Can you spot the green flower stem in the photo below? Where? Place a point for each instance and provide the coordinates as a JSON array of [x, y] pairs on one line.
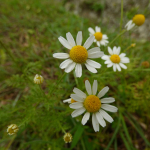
[[123, 31], [8, 52], [115, 133], [42, 91], [83, 145], [120, 40], [76, 80], [61, 127], [11, 141], [121, 15], [56, 85], [127, 48]]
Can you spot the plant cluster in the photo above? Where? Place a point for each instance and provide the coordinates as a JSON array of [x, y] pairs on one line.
[[39, 116]]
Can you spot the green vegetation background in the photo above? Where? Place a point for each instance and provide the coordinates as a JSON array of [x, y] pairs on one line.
[[30, 31]]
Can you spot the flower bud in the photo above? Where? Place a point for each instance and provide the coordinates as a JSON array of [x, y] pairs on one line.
[[12, 129], [38, 79], [67, 138]]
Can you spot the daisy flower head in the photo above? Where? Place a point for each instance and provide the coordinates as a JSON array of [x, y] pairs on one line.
[[115, 59], [78, 54], [12, 129], [92, 103], [100, 38], [137, 20]]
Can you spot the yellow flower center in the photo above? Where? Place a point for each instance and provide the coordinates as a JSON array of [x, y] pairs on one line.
[[39, 78], [115, 58], [78, 54], [92, 103], [72, 101], [139, 19], [98, 36]]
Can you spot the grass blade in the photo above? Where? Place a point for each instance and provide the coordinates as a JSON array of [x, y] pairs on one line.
[[77, 135], [115, 133], [125, 141], [139, 130]]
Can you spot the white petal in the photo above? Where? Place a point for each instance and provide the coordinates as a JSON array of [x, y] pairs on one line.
[[64, 42], [67, 100], [95, 123], [85, 118], [77, 97], [98, 43], [131, 26], [91, 69], [79, 92], [106, 57], [122, 55], [128, 23], [78, 70], [118, 51], [103, 91], [65, 63], [123, 66], [96, 55], [70, 67], [114, 49], [114, 67], [91, 30], [93, 50], [70, 39], [97, 29], [109, 107], [88, 87], [107, 100], [76, 105], [100, 119], [110, 51], [108, 62], [125, 60], [103, 42], [93, 63], [61, 55], [105, 36], [78, 112], [79, 38], [106, 116], [110, 65], [118, 67], [89, 42], [94, 88]]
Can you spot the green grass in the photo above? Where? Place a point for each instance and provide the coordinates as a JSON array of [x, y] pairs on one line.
[[29, 34]]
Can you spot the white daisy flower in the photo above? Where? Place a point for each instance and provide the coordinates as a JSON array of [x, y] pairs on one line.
[[137, 20], [100, 39], [116, 59], [78, 54], [93, 103]]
